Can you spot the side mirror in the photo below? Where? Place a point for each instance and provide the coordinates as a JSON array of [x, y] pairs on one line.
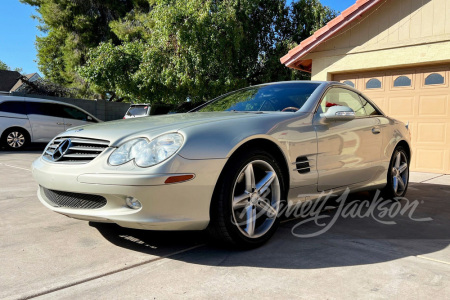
[[338, 113]]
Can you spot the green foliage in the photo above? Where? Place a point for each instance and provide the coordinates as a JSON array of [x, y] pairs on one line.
[[71, 28], [169, 51], [3, 66]]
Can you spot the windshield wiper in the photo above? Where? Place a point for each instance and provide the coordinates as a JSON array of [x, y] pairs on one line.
[[246, 112]]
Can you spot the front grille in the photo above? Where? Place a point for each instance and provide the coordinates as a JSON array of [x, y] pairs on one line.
[[74, 200], [74, 150]]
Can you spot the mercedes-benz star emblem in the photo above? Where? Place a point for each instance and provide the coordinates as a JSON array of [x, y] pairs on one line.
[[61, 149]]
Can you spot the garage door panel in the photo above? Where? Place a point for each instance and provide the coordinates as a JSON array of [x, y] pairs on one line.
[[420, 96], [380, 102], [401, 106], [434, 133], [433, 105]]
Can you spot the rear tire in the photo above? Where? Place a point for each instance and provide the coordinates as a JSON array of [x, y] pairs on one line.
[[246, 201], [15, 139], [398, 175]]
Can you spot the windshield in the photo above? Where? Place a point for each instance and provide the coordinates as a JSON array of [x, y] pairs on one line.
[[276, 97], [140, 110]]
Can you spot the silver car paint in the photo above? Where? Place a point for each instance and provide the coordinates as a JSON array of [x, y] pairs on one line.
[[210, 139]]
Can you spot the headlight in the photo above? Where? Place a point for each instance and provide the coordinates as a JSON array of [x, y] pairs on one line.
[[145, 153]]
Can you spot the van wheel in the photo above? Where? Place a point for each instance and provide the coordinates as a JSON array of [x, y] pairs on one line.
[[15, 139]]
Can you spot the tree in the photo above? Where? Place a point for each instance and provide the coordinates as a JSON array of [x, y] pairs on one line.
[[171, 50], [3, 66], [46, 87], [71, 28], [199, 49]]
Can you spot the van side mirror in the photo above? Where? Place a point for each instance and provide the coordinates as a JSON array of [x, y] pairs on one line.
[[338, 113]]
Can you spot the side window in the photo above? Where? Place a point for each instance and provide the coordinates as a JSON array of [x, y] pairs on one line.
[[343, 97], [15, 107], [73, 113], [36, 108], [369, 108], [55, 110], [45, 109]]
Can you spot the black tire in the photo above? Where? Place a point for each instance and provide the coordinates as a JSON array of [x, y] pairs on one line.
[[395, 173], [227, 223], [15, 139]]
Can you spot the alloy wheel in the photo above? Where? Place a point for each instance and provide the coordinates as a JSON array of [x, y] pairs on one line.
[[400, 173], [256, 199], [15, 139]]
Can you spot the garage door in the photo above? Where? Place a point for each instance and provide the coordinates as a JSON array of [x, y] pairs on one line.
[[420, 96]]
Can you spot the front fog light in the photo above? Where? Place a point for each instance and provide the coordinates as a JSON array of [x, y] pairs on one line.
[[133, 203]]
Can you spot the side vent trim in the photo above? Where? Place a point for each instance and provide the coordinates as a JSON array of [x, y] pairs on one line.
[[302, 165]]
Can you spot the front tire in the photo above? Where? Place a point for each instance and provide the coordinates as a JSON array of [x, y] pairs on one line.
[[15, 139], [246, 201], [398, 175]]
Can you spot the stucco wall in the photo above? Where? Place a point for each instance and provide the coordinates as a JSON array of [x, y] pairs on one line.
[[399, 33]]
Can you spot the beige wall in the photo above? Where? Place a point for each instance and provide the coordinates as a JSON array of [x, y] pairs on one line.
[[399, 33]]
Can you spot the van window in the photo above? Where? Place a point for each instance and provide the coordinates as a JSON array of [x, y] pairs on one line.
[[15, 107], [73, 113], [45, 109]]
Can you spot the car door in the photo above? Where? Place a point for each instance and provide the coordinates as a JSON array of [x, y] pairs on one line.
[[45, 119], [75, 117], [348, 151]]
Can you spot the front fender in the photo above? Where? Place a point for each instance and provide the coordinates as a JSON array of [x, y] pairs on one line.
[[221, 139]]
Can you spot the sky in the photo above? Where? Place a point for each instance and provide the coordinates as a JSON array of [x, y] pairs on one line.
[[18, 32]]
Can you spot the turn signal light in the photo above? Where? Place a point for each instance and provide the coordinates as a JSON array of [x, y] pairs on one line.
[[179, 178]]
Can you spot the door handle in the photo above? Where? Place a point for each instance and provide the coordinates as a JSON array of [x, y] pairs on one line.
[[59, 123], [376, 130], [68, 124]]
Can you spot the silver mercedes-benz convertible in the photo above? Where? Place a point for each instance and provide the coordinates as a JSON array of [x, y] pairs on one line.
[[229, 165]]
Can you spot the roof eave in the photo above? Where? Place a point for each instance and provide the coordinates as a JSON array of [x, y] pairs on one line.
[[294, 57]]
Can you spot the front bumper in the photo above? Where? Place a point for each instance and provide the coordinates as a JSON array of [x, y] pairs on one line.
[[178, 206]]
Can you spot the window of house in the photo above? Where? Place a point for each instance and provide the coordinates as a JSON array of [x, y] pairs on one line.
[[402, 81], [434, 78], [373, 84], [350, 83]]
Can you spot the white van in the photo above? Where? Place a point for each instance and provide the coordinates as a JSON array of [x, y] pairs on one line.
[[24, 120]]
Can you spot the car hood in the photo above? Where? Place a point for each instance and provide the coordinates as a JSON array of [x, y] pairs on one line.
[[120, 130]]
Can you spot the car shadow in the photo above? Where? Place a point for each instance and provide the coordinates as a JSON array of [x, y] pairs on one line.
[[348, 241]]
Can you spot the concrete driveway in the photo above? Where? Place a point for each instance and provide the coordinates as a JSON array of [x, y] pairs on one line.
[[47, 255]]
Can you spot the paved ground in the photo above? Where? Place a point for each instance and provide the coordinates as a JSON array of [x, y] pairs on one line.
[[50, 256]]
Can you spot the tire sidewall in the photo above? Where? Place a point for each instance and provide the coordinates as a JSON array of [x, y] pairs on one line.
[[227, 182]]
